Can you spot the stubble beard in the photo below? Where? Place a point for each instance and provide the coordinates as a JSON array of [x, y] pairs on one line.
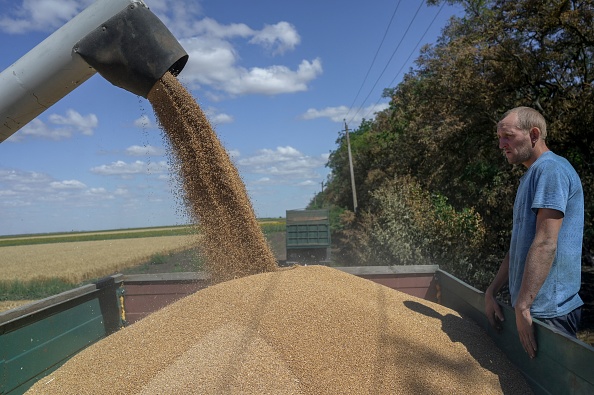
[[521, 155]]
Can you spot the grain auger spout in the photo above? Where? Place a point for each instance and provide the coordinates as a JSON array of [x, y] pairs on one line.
[[122, 40]]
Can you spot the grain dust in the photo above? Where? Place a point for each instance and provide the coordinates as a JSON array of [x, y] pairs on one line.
[[306, 330], [215, 195]]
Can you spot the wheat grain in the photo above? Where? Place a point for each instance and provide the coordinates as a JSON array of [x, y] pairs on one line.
[[215, 195], [306, 330]]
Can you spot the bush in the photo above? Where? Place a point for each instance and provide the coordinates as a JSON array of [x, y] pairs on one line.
[[410, 226]]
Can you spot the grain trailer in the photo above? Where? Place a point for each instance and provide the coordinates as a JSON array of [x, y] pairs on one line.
[[38, 338]]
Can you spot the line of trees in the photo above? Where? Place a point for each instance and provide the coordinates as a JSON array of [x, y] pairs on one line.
[[432, 185]]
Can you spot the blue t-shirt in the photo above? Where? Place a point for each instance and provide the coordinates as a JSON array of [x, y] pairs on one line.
[[551, 182]]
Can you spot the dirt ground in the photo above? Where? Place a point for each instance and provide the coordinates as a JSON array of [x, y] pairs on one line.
[[189, 261]]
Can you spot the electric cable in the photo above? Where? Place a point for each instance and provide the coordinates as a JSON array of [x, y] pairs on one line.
[[388, 62], [409, 56], [374, 58]]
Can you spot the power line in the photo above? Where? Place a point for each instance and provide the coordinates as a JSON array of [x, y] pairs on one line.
[[410, 55], [388, 62], [374, 58], [418, 43]]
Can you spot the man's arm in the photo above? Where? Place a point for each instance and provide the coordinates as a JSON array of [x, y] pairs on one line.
[[538, 265], [492, 309]]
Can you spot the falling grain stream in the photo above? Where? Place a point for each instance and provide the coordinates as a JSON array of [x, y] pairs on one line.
[[215, 194]]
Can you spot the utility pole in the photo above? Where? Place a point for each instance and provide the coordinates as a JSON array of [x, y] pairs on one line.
[[346, 131]]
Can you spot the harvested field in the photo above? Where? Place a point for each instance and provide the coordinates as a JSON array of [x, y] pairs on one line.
[[97, 233], [78, 261], [303, 330]]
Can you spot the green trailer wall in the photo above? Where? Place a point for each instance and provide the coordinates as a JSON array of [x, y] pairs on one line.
[[38, 338], [563, 365]]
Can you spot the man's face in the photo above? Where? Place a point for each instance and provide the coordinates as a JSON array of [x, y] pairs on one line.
[[515, 143]]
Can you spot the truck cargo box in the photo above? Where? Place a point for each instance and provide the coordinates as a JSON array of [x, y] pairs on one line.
[[308, 236]]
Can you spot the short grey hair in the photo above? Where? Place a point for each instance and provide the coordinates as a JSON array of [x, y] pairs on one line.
[[529, 118]]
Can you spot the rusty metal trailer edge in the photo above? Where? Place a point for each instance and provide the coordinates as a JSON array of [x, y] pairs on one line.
[[38, 338]]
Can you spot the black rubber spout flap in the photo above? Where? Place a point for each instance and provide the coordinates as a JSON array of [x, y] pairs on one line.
[[133, 50]]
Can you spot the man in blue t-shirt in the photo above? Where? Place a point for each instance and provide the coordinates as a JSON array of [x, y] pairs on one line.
[[543, 264]]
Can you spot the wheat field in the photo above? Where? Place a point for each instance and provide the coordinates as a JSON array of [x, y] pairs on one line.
[[75, 262]]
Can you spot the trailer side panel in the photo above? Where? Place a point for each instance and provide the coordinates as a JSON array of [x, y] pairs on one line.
[[563, 365]]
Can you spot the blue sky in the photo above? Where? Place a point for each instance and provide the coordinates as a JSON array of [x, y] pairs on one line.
[[276, 79]]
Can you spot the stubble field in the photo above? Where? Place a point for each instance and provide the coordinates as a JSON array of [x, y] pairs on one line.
[[35, 265], [79, 261]]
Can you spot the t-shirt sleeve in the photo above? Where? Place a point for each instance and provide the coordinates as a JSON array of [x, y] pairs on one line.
[[551, 188]]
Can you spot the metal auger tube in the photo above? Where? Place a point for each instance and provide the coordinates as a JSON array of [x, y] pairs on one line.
[[120, 39]]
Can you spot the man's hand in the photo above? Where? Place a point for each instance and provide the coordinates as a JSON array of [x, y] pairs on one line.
[[493, 311], [526, 331]]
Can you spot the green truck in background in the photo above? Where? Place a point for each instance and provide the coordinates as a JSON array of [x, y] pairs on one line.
[[308, 236]]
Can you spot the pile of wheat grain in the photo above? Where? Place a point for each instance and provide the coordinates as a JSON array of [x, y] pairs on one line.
[[304, 330], [215, 195]]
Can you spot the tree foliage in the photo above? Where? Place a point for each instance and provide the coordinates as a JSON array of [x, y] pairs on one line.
[[440, 127]]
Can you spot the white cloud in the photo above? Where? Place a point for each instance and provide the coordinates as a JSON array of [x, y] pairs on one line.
[[339, 114], [98, 193], [214, 60], [283, 162], [214, 65], [278, 38], [39, 15], [179, 17], [144, 122], [33, 202], [219, 119], [25, 188], [273, 80], [211, 28], [68, 125], [22, 177], [36, 128], [67, 184], [147, 150], [121, 192], [336, 114], [263, 180], [307, 183], [123, 169], [211, 61], [83, 124], [234, 153]]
